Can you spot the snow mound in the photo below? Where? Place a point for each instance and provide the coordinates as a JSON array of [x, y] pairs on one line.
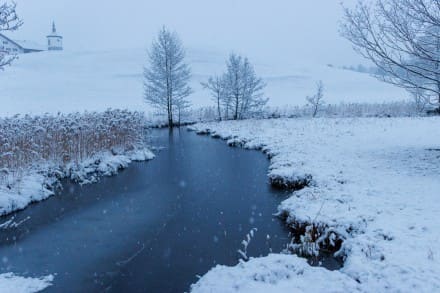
[[274, 273], [13, 283]]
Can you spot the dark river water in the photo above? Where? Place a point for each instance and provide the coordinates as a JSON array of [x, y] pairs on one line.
[[154, 227]]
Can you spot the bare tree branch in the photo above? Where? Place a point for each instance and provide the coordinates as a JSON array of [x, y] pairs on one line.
[[9, 21], [317, 100], [402, 38]]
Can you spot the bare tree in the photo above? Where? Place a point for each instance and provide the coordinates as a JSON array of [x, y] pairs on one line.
[[239, 91], [9, 21], [234, 83], [167, 77], [244, 89], [253, 95], [317, 100], [216, 85], [402, 38]]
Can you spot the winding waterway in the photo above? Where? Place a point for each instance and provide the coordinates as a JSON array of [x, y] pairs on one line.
[[155, 226]]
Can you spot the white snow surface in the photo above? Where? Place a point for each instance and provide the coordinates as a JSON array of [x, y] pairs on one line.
[[36, 185], [10, 282], [69, 81], [376, 182], [274, 273]]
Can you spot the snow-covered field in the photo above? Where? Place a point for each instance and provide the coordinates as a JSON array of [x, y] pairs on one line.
[[12, 283], [375, 185], [71, 81]]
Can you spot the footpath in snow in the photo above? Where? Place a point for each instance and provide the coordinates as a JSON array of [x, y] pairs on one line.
[[371, 192]]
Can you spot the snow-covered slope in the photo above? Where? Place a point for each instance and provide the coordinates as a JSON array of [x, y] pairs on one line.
[[95, 80]]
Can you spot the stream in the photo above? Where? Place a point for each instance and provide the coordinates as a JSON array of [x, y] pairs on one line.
[[156, 226]]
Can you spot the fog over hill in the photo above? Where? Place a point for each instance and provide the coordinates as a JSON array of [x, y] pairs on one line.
[[70, 81], [279, 30]]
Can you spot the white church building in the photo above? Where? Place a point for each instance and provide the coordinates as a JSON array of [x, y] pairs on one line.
[[9, 46], [54, 40]]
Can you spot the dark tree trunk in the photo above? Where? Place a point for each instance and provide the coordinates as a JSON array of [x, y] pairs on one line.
[[236, 109], [218, 109], [170, 117]]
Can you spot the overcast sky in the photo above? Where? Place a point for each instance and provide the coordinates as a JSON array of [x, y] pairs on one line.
[[264, 29]]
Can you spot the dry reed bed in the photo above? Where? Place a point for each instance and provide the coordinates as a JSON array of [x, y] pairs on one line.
[[29, 141]]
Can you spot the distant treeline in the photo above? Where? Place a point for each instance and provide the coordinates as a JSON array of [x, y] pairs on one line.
[[348, 110]]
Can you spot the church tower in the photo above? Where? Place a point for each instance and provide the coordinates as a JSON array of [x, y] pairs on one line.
[[54, 41]]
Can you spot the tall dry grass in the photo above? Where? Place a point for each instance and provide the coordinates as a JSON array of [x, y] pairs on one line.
[[27, 141]]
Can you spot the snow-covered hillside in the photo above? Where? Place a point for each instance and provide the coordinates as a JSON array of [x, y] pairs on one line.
[[96, 80]]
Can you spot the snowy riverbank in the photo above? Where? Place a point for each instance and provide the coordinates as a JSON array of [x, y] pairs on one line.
[[38, 183], [12, 283], [373, 183]]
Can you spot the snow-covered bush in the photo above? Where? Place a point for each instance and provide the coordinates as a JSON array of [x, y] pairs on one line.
[[27, 141]]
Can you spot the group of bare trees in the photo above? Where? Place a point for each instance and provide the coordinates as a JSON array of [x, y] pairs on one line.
[[238, 93], [402, 38], [9, 21], [26, 141]]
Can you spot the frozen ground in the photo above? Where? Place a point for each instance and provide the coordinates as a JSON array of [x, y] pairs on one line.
[[283, 273], [12, 283], [38, 183], [375, 185], [96, 80]]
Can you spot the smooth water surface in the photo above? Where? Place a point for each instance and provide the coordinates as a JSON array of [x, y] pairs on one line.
[[155, 226]]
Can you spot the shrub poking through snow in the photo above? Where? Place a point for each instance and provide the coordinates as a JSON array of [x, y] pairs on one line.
[[313, 241], [245, 243]]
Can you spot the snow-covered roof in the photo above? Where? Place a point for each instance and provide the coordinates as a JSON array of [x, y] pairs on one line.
[[30, 45], [54, 36]]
